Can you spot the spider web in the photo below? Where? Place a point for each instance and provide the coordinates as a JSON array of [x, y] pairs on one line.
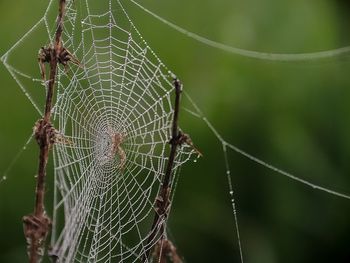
[[106, 190], [124, 90], [104, 193]]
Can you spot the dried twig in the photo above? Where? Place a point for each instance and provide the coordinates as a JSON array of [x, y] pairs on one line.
[[162, 201], [37, 225]]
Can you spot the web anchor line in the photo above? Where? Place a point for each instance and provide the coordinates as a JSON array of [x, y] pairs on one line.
[[37, 225], [162, 202], [281, 57]]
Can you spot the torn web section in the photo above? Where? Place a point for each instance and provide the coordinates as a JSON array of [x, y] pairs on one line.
[[116, 113]]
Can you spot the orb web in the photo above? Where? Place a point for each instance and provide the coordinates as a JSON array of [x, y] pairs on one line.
[[113, 113]]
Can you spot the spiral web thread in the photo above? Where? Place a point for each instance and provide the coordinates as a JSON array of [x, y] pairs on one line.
[[113, 114]]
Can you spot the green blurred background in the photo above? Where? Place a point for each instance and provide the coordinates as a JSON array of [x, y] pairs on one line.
[[293, 115]]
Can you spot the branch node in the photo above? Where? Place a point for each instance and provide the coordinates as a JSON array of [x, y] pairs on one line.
[[184, 138], [44, 133], [36, 229]]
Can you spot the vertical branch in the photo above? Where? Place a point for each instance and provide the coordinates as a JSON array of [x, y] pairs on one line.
[[37, 225], [162, 201], [55, 53]]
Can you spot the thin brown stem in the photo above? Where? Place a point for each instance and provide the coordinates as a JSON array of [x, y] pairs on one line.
[[38, 224], [54, 59], [162, 201]]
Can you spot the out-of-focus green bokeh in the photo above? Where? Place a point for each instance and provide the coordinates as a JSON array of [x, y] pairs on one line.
[[293, 115]]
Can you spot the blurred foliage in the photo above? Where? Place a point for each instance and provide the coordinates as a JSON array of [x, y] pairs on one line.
[[293, 115]]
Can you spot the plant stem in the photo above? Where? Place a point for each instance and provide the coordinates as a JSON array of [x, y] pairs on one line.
[[37, 225], [44, 149], [162, 201]]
